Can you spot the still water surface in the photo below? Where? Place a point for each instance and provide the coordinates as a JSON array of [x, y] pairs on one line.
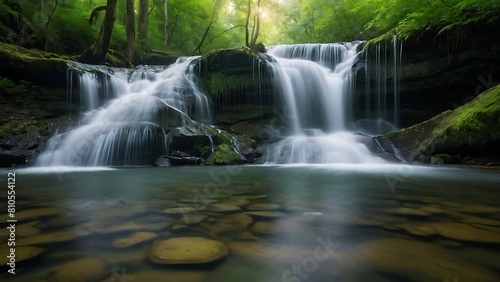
[[279, 223]]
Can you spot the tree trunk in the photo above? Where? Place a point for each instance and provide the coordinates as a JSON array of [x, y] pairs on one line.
[[256, 26], [41, 6], [143, 21], [97, 53], [130, 30], [165, 27], [47, 25], [247, 33]]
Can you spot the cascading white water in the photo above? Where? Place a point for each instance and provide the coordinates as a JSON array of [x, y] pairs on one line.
[[130, 128], [315, 81], [128, 112]]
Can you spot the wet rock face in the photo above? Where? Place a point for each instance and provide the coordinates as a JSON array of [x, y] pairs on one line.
[[470, 130], [237, 82], [187, 250], [12, 159], [438, 76]]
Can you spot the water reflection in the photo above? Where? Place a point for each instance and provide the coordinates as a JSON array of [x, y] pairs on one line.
[[279, 223]]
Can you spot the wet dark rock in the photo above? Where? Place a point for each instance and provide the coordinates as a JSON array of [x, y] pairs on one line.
[[11, 159], [237, 90], [190, 160], [162, 161], [472, 130]]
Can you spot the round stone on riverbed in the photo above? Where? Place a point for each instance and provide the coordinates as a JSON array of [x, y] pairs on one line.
[[187, 250], [134, 239], [262, 207]]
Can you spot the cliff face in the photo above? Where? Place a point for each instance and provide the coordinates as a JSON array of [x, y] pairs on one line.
[[472, 129], [238, 84], [442, 72]]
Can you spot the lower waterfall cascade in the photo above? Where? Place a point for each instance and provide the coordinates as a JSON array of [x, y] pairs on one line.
[[127, 113]]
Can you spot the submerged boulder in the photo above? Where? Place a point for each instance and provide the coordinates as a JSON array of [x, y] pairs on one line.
[[470, 130], [187, 250]]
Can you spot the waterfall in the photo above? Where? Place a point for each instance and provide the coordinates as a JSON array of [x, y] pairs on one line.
[[377, 109], [127, 114], [316, 82]]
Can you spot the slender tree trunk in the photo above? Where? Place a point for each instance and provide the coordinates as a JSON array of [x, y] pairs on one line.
[[97, 53], [212, 20], [41, 6], [256, 26], [130, 30], [247, 32], [165, 27], [143, 21], [47, 25]]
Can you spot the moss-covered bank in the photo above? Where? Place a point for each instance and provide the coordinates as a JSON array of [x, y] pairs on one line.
[[470, 130]]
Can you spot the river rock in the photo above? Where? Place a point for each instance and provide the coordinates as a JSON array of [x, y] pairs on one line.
[[105, 227], [268, 214], [418, 261], [262, 207], [134, 239], [190, 275], [407, 211], [465, 232], [191, 219], [89, 269], [60, 236], [263, 227], [180, 210], [418, 230], [36, 213], [27, 230], [187, 250], [276, 253], [222, 207], [246, 236], [228, 226], [22, 254]]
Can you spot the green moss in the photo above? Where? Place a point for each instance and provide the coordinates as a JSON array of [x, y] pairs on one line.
[[224, 155], [471, 127]]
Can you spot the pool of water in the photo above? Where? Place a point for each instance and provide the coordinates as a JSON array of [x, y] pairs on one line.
[[278, 223]]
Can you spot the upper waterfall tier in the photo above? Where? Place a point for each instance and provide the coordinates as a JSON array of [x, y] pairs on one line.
[[328, 55], [128, 114]]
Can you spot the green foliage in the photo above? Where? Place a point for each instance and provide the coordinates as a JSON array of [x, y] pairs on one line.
[[224, 155], [8, 86], [62, 26], [74, 32]]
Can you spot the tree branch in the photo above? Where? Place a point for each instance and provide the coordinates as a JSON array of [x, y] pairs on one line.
[[231, 28], [95, 14]]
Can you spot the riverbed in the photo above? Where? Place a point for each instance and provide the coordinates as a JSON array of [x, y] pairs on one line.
[[336, 222]]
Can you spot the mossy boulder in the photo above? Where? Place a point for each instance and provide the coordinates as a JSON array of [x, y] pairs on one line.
[[225, 155], [35, 66], [470, 130], [237, 82]]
